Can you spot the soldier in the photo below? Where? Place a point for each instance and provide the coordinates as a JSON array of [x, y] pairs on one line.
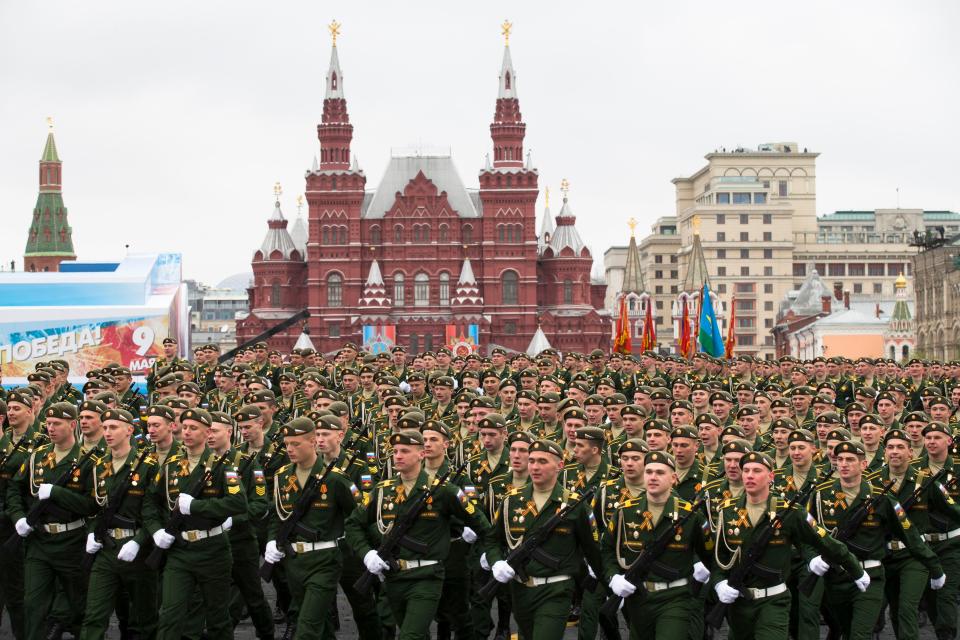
[[541, 604], [414, 585], [199, 554], [170, 349], [121, 479], [53, 549], [160, 425]]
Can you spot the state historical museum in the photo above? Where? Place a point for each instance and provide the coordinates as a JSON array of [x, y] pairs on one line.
[[422, 260]]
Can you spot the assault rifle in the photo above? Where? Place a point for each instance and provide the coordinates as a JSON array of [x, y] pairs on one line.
[[175, 523], [40, 508], [849, 529], [397, 537], [648, 560], [750, 565], [530, 549]]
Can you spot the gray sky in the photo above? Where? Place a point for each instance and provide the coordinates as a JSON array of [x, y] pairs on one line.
[[174, 119]]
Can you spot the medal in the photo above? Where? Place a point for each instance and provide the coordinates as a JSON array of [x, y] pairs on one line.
[[520, 519], [636, 534], [736, 531]]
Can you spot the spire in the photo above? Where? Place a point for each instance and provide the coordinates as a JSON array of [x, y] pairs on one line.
[[50, 239], [632, 273], [697, 273], [467, 292], [299, 231], [374, 291], [566, 235], [901, 311], [334, 131], [538, 343], [508, 77], [546, 223], [508, 128], [334, 87], [278, 238]]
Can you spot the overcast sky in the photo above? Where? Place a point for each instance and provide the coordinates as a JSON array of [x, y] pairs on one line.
[[174, 119]]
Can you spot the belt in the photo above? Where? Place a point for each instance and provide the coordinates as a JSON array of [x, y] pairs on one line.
[[663, 586], [307, 547], [199, 534], [406, 565], [759, 594], [896, 545], [61, 527], [119, 534], [870, 564], [940, 537], [539, 582]]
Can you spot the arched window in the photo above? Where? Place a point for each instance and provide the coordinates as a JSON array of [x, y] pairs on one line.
[[421, 290], [568, 291], [443, 233], [398, 234], [333, 81], [500, 233], [467, 233], [275, 294], [343, 235], [425, 233], [508, 285], [334, 290], [906, 351], [398, 289], [375, 234], [325, 235], [444, 289], [506, 81]]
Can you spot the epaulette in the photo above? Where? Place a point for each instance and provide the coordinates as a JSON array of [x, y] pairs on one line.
[[729, 502], [609, 482], [570, 495], [779, 471], [386, 483], [174, 457], [824, 485], [781, 503], [515, 491], [683, 504], [477, 456], [502, 476], [875, 490], [630, 502], [713, 484], [872, 475], [43, 447], [284, 468]]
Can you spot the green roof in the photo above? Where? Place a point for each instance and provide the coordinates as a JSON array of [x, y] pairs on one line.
[[901, 311], [941, 215], [854, 216], [50, 150]]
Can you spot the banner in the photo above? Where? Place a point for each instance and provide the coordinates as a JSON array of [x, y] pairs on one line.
[[379, 338], [463, 340]]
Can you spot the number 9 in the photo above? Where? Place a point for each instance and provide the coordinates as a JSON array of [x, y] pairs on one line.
[[143, 338]]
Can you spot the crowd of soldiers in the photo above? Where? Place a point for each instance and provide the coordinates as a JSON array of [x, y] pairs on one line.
[[668, 493]]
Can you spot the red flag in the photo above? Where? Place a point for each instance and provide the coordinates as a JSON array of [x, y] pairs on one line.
[[649, 340], [621, 342], [731, 342], [685, 333]]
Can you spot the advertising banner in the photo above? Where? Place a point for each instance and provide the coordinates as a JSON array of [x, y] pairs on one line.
[[379, 338], [463, 340]]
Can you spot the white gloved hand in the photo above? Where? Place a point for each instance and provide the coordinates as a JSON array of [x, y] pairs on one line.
[[937, 583], [818, 566], [863, 582], [590, 572], [404, 387], [469, 535], [272, 553], [700, 573], [43, 493], [128, 552], [92, 545], [503, 572], [374, 563], [483, 562], [621, 586], [23, 529], [163, 539], [726, 593], [183, 503], [228, 523]]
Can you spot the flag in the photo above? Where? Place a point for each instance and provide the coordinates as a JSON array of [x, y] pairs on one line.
[[649, 340], [621, 341], [709, 335], [731, 336], [685, 346]]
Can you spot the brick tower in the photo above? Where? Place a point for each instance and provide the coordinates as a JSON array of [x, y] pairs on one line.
[[50, 241]]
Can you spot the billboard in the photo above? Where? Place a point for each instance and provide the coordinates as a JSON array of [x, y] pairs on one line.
[[463, 340], [379, 338]]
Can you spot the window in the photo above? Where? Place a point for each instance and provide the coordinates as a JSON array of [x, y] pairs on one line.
[[375, 234], [658, 259], [745, 254], [508, 285], [421, 290], [721, 254], [746, 305], [895, 269], [500, 233], [398, 234], [782, 188], [768, 254], [658, 274], [444, 289], [721, 236], [721, 218], [467, 233], [768, 323], [722, 198], [275, 294], [857, 269], [768, 271], [414, 343], [767, 218], [744, 287], [767, 236], [744, 218], [741, 198], [875, 269], [334, 290], [878, 287], [343, 235], [759, 198], [673, 259], [721, 272], [673, 289], [721, 288], [744, 236], [398, 289], [567, 292], [333, 331], [510, 327], [746, 323], [821, 268], [325, 235], [659, 304], [744, 271], [837, 269], [746, 341], [768, 288], [658, 289], [858, 287], [673, 274], [444, 233]]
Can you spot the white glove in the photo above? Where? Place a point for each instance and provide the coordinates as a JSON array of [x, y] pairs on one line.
[[183, 502], [43, 493], [863, 582], [483, 562], [937, 583], [726, 593], [272, 553], [228, 523], [163, 539], [700, 573], [818, 566], [590, 571], [23, 528], [469, 535], [404, 387], [503, 572], [621, 586], [374, 563], [128, 552], [92, 545]]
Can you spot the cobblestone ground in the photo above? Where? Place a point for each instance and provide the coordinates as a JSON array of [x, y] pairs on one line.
[[348, 632]]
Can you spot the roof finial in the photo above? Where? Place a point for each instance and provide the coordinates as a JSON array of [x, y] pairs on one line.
[[50, 122], [277, 191], [696, 225], [564, 188], [505, 30], [299, 203], [546, 196], [632, 223], [334, 29]]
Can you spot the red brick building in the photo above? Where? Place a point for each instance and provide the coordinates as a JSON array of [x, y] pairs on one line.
[[421, 251]]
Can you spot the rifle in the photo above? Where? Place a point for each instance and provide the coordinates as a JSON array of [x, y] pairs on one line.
[[39, 508], [114, 498], [175, 523], [847, 530], [919, 491], [396, 535], [300, 509], [648, 559], [530, 549], [750, 565]]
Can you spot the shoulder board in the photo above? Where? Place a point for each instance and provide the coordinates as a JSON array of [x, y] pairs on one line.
[[43, 447], [683, 504], [728, 503], [875, 490], [498, 478], [478, 455], [780, 503], [570, 495], [824, 485], [245, 456], [149, 459], [174, 457], [713, 484], [630, 502], [285, 468], [386, 483], [515, 491], [779, 471], [611, 481]]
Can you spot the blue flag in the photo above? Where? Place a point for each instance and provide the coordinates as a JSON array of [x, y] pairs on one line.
[[709, 337]]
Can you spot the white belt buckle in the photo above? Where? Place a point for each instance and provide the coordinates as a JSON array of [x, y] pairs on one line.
[[299, 547]]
